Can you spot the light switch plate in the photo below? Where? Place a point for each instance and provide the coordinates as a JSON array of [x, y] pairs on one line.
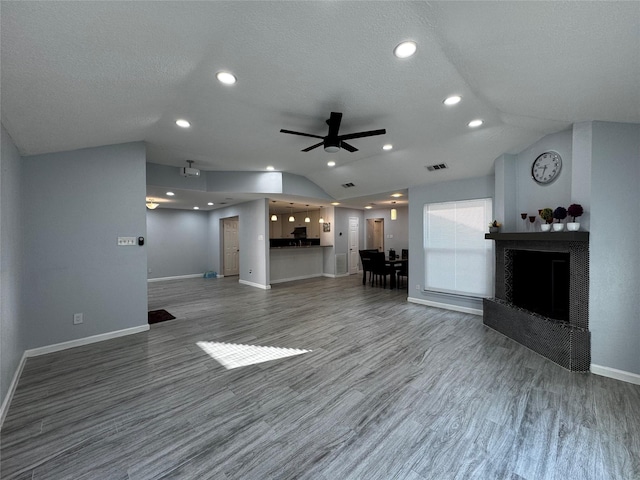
[[126, 241]]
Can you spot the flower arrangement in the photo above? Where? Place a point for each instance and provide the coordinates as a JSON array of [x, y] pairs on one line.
[[560, 213], [495, 224], [575, 210], [547, 215]]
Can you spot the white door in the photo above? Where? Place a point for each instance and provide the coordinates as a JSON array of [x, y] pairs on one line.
[[354, 245], [231, 246]]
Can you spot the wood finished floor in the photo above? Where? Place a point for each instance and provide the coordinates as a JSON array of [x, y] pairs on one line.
[[392, 390]]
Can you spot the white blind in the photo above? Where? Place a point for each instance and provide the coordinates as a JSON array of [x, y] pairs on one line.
[[458, 259]]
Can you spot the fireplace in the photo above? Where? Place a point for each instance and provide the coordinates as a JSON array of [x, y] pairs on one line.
[[542, 294]]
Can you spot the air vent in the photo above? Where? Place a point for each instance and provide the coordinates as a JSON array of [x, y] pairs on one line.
[[439, 166], [348, 185]]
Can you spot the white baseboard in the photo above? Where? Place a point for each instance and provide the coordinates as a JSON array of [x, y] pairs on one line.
[[292, 279], [12, 389], [334, 275], [257, 285], [56, 347], [177, 277], [616, 374], [446, 306], [34, 352]]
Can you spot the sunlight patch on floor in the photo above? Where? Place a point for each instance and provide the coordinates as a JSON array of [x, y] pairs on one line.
[[234, 355]]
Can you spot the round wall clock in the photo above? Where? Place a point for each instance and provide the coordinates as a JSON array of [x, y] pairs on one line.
[[546, 168]]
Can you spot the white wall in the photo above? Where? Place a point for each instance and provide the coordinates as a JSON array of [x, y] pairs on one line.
[[13, 335], [74, 205], [177, 242], [614, 315]]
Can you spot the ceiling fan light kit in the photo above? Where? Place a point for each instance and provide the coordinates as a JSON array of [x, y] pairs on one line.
[[333, 142]]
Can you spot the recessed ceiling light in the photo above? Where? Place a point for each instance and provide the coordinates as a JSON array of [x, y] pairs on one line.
[[475, 123], [368, 207], [335, 203], [196, 208], [388, 146], [396, 195], [210, 203], [226, 78], [170, 194], [405, 49], [452, 100], [331, 163], [271, 168], [181, 122]]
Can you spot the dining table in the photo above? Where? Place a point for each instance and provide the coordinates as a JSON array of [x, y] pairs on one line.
[[396, 264]]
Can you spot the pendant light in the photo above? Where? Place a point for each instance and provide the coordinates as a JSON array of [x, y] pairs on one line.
[[274, 218], [307, 219], [151, 205], [394, 213], [321, 220], [291, 217]]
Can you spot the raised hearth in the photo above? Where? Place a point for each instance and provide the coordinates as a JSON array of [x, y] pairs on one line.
[[563, 338]]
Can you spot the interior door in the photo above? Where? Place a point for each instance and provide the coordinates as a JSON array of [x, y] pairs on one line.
[[378, 234], [354, 244], [231, 246]]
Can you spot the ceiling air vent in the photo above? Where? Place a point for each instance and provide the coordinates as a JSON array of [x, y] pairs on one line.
[[439, 166], [348, 185]]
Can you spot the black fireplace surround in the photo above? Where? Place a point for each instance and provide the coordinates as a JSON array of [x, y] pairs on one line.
[[542, 294]]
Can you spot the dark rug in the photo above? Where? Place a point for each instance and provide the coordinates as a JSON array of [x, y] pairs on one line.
[[157, 316]]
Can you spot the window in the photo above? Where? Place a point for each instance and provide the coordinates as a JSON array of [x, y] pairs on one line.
[[458, 259]]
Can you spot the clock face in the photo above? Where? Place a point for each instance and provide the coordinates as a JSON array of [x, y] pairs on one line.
[[546, 167]]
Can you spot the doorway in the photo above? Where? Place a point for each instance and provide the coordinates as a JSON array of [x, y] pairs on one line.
[[230, 247], [354, 245], [375, 233]]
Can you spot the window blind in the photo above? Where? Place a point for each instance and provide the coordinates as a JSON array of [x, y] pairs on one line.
[[458, 259]]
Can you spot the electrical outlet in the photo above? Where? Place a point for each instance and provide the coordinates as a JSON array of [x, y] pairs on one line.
[[250, 272], [77, 318]]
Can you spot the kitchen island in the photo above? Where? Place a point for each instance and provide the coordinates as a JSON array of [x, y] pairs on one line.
[[295, 262]]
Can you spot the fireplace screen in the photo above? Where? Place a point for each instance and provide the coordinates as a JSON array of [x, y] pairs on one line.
[[540, 282]]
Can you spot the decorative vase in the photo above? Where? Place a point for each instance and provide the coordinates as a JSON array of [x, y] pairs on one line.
[[573, 226], [558, 227], [545, 227], [494, 229]]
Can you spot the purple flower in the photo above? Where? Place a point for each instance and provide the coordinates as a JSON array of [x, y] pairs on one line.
[[575, 210], [560, 213]]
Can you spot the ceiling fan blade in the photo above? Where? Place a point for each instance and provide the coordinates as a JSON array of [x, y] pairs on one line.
[[347, 147], [370, 133], [334, 124], [300, 133], [312, 146]]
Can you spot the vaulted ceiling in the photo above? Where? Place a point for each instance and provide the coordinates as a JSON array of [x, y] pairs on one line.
[[82, 74]]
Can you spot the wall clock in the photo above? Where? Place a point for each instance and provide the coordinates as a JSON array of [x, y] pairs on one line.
[[546, 168]]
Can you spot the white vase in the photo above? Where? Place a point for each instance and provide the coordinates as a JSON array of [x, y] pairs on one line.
[[545, 227], [573, 226], [558, 227]]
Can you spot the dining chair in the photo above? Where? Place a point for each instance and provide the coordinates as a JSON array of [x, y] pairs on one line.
[[366, 262], [380, 268], [403, 271]]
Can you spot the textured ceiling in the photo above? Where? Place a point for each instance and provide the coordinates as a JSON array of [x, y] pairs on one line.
[[81, 74]]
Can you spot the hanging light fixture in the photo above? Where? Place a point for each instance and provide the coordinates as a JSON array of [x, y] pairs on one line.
[[321, 220], [394, 214], [291, 217], [151, 205], [274, 218], [307, 219]]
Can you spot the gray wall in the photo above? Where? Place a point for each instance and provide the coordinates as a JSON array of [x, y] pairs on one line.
[[13, 337], [74, 206], [467, 189], [253, 230], [614, 254], [398, 229], [177, 242]]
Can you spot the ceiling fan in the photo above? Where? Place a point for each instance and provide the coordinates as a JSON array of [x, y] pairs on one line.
[[334, 142]]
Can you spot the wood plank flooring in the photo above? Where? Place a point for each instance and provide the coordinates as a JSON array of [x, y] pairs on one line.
[[391, 390]]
